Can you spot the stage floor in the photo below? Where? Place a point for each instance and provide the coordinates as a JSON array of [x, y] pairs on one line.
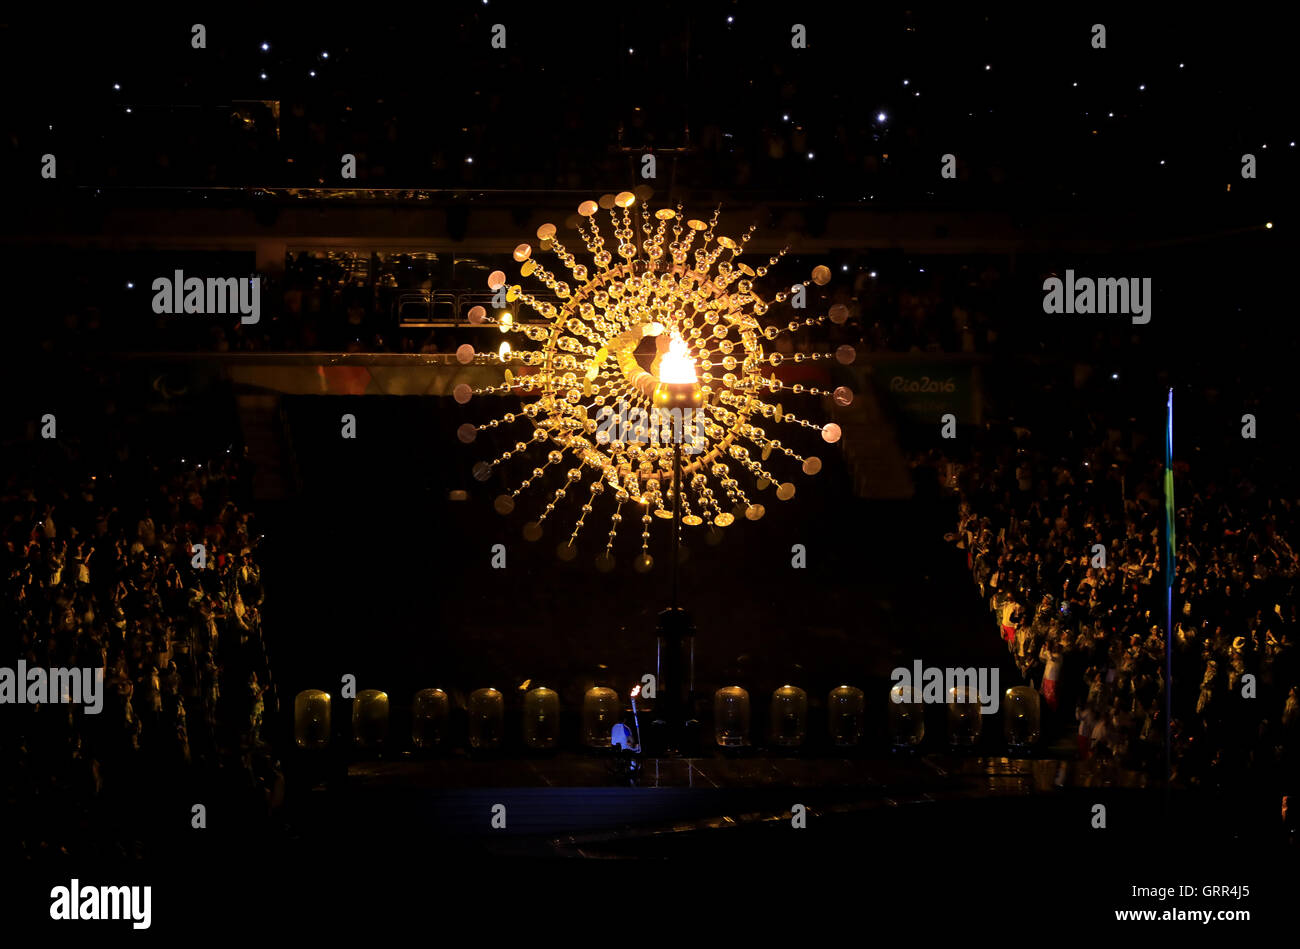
[[577, 804], [920, 774]]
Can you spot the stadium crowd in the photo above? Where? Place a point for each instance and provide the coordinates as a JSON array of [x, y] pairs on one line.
[[149, 574], [1066, 551]]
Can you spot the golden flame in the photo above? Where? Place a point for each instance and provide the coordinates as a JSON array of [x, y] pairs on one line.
[[677, 364]]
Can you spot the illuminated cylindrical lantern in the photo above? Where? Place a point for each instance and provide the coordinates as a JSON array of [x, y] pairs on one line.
[[311, 719], [1021, 714], [789, 716], [430, 718], [601, 711], [370, 718], [487, 716], [542, 719], [844, 708], [731, 717], [964, 718], [906, 717]]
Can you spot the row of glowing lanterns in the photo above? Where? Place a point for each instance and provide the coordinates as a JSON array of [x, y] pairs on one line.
[[603, 710]]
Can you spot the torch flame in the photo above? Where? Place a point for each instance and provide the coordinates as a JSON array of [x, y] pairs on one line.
[[677, 365]]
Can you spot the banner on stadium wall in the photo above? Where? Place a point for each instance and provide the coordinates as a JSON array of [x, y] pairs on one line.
[[926, 391]]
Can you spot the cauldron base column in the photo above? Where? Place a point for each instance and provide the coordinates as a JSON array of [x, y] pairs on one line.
[[674, 729]]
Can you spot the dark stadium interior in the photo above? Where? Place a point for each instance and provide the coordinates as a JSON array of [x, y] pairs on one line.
[[130, 435]]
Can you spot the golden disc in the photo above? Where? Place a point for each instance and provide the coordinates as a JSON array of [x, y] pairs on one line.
[[546, 232], [692, 520], [754, 512], [785, 492], [532, 531], [821, 275], [812, 465], [504, 504], [724, 520]]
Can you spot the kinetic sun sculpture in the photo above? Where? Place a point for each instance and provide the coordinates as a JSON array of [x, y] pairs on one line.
[[606, 413]]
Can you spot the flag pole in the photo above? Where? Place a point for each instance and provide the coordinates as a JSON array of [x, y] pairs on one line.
[[1170, 563]]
